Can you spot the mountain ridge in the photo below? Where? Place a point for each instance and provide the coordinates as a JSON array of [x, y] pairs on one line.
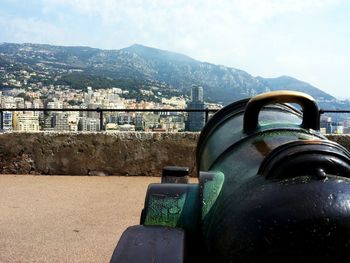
[[146, 64]]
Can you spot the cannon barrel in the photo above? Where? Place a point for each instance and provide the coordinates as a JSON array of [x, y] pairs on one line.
[[271, 188]]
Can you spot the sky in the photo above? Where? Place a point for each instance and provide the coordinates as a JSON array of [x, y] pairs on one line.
[[305, 39]]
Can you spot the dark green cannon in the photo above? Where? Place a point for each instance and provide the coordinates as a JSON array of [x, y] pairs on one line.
[[270, 188]]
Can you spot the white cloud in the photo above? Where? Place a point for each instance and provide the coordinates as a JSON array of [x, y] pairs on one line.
[[249, 34], [31, 30], [150, 10], [259, 10], [184, 25]]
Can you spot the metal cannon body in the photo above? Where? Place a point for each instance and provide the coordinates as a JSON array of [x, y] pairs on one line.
[[270, 188]]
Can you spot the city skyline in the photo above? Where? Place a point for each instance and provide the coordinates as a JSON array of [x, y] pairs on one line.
[[308, 39], [118, 114], [122, 114]]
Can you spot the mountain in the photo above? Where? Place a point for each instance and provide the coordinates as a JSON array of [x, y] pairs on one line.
[[138, 66], [220, 83], [290, 83]]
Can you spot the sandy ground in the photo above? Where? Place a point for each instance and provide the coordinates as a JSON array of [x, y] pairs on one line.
[[66, 218]]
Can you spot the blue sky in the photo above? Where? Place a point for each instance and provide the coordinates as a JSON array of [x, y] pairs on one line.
[[307, 39]]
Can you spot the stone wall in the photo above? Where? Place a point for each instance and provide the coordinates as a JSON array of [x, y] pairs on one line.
[[342, 139], [129, 153]]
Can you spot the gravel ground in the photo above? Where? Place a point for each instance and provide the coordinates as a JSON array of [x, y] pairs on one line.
[[66, 218]]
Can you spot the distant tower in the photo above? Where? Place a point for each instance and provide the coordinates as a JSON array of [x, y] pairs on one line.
[[196, 94], [196, 120]]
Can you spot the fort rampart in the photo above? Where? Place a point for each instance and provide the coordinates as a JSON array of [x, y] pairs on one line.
[[122, 153]]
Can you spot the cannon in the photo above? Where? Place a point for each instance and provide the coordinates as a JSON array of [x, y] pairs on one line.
[[271, 188]]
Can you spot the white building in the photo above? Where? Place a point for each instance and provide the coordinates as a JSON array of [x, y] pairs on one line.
[[25, 122], [88, 124]]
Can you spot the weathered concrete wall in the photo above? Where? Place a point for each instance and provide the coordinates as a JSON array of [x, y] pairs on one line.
[[95, 153], [342, 139], [129, 153]]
